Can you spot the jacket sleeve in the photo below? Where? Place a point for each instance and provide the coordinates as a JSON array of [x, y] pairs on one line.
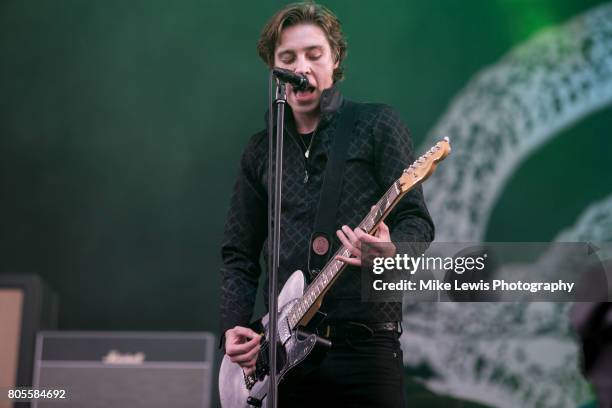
[[410, 221], [243, 238]]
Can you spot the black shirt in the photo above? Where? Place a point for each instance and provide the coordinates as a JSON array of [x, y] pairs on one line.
[[380, 149]]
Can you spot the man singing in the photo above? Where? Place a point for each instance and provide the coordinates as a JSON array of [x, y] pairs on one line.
[[364, 366]]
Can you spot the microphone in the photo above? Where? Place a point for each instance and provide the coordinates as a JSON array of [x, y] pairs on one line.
[[298, 81]]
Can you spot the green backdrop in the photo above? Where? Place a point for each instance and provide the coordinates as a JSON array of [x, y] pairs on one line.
[[121, 125]]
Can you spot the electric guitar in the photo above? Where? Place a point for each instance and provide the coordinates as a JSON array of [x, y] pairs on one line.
[[299, 349]]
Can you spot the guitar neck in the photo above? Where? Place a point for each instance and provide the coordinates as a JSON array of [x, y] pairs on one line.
[[305, 308], [308, 304]]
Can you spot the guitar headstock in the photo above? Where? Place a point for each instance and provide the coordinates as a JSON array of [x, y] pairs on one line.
[[425, 165]]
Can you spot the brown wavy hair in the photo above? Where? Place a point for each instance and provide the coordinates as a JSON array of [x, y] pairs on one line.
[[307, 12]]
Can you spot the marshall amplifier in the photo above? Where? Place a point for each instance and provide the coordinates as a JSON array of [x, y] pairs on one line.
[[125, 369]]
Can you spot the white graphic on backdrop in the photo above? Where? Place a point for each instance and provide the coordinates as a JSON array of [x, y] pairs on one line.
[[511, 355]]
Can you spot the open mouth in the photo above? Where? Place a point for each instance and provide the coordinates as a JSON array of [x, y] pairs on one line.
[[308, 90]]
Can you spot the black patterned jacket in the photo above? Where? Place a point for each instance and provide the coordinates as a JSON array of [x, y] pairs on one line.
[[380, 149]]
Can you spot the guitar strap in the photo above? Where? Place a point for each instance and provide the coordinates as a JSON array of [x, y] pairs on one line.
[[326, 218]]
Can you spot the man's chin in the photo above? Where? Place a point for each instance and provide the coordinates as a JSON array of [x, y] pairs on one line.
[[303, 107]]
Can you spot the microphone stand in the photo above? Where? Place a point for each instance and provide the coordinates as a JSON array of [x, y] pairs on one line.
[[274, 215]]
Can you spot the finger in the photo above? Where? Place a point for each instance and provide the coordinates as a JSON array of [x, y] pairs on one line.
[[362, 236], [365, 237], [349, 261], [383, 228], [252, 363], [249, 370], [345, 241], [245, 357], [356, 252], [243, 331], [383, 232], [242, 348], [374, 246], [351, 236], [360, 233]]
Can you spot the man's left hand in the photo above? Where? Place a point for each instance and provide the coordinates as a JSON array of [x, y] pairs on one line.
[[353, 238]]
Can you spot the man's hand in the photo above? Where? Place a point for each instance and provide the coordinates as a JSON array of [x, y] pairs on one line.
[[242, 347], [352, 239]]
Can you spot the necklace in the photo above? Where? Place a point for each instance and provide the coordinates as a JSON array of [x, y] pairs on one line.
[[307, 147], [306, 152]]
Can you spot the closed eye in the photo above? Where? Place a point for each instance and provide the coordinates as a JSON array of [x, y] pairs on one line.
[[287, 57]]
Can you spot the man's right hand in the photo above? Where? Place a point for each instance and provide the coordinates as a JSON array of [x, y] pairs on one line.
[[242, 347]]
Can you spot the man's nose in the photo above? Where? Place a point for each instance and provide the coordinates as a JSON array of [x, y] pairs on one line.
[[302, 66]]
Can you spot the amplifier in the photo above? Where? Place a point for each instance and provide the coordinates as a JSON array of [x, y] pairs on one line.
[[27, 305], [125, 369]]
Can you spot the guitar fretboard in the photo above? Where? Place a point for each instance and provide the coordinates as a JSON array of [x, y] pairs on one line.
[[334, 267]]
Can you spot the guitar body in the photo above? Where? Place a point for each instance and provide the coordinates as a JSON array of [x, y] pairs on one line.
[[297, 353]]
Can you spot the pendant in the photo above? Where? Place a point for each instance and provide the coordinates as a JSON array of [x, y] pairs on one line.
[[307, 153]]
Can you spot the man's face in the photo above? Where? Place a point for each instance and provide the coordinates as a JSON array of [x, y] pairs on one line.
[[304, 49]]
